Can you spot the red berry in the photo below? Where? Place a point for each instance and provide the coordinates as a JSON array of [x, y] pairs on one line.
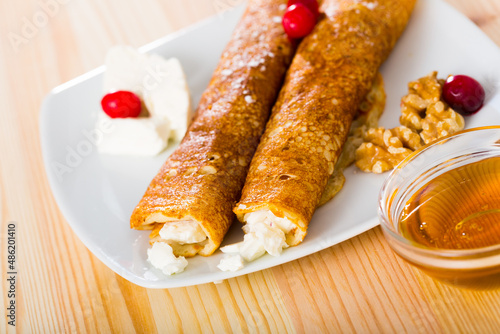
[[298, 21], [464, 94], [311, 4], [121, 104]]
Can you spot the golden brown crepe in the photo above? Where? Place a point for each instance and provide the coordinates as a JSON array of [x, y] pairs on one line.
[[201, 181], [330, 74], [367, 116]]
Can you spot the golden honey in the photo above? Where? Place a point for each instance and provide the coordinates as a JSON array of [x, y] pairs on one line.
[[458, 210]]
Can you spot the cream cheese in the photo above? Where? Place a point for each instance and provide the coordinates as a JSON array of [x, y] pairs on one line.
[[134, 136], [161, 84], [264, 233], [161, 256], [183, 232], [231, 263]]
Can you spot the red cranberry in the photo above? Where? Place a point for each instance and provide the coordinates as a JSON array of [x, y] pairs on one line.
[[464, 94], [311, 4], [121, 104], [298, 21]]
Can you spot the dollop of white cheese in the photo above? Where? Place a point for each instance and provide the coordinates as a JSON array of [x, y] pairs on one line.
[[264, 233], [183, 232], [161, 84], [161, 256], [133, 136], [231, 263]]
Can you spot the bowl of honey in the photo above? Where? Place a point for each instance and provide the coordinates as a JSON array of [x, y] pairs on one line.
[[440, 209]]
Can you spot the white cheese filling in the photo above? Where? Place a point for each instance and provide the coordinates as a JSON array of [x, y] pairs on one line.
[[161, 256], [183, 232], [161, 84], [264, 233]]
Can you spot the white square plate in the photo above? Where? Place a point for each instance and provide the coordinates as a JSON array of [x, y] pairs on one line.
[[97, 193]]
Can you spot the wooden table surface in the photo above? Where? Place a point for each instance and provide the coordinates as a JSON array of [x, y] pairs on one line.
[[356, 286]]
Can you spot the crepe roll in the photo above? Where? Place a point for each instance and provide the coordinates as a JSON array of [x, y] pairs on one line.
[[188, 205], [332, 71]]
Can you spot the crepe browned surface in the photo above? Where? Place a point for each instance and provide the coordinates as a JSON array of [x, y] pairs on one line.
[[330, 74], [366, 117], [203, 177]]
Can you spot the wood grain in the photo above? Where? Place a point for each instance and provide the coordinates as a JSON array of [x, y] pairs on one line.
[[356, 286]]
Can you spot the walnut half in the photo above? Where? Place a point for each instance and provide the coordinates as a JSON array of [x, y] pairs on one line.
[[440, 120], [383, 148]]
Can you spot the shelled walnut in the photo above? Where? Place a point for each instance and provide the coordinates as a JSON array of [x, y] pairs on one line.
[[425, 117], [440, 120], [383, 148], [424, 111]]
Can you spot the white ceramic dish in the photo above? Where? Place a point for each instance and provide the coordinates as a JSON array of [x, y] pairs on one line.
[[97, 193]]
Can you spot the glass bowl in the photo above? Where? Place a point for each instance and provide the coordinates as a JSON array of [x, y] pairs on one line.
[[440, 208]]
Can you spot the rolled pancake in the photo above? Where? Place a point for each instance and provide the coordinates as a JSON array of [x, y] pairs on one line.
[[202, 179], [330, 74], [367, 116]]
